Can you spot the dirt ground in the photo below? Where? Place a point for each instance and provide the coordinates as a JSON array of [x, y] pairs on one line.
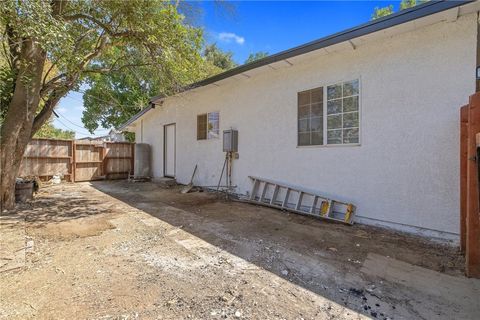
[[121, 250]]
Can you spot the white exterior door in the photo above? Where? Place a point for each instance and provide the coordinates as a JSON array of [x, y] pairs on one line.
[[169, 151]]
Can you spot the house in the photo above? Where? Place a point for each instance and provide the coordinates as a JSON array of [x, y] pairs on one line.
[[113, 136], [369, 116]]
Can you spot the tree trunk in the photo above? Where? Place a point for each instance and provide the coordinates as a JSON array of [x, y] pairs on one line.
[[16, 130]]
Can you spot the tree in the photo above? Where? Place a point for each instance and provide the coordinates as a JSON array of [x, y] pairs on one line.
[[404, 4], [219, 58], [115, 97], [75, 36], [382, 12], [255, 56], [48, 130]]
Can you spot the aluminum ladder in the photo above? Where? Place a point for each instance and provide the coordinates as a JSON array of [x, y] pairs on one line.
[[281, 196]]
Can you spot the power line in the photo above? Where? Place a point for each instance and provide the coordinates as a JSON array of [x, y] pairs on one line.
[[122, 107], [81, 127], [104, 101], [58, 115], [76, 131]]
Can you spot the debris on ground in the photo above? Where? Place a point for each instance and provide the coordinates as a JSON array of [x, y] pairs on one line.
[[117, 250]]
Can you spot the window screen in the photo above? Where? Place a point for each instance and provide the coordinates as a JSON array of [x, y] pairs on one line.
[[310, 117], [202, 127]]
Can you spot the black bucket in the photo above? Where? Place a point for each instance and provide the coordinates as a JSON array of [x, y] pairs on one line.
[[23, 191]]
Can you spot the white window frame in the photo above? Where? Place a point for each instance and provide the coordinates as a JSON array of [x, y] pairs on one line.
[[208, 121], [208, 137], [325, 116]]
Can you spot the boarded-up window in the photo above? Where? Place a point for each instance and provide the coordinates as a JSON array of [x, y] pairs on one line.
[[208, 126]]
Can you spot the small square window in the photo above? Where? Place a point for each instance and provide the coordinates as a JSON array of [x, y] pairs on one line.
[[334, 106], [334, 92], [350, 120], [350, 135], [334, 136], [208, 126], [350, 104]]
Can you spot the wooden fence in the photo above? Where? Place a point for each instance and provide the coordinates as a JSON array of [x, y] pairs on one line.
[[77, 160], [469, 185]]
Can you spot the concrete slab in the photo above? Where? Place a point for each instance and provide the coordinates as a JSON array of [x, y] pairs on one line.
[[461, 293]]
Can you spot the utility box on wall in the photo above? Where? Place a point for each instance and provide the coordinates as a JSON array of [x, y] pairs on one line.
[[230, 140]]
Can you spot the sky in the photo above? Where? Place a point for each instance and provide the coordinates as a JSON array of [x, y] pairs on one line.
[[246, 27]]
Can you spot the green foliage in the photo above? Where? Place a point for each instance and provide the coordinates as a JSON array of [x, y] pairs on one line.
[[129, 136], [219, 58], [90, 41], [49, 131], [405, 4], [382, 12], [7, 80], [255, 56], [112, 98]]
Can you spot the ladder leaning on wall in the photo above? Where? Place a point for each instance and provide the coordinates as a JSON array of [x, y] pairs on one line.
[[279, 195]]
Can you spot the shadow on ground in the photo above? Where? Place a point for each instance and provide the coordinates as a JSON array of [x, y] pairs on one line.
[[322, 257]]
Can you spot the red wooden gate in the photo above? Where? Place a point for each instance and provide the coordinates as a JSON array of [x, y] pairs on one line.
[[469, 185]]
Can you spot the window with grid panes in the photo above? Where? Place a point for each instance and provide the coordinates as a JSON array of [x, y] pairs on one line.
[[310, 117], [343, 123]]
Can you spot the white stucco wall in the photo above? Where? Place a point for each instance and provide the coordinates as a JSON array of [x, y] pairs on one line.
[[406, 170]]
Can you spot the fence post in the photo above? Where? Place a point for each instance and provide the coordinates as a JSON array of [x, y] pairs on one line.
[[104, 159], [472, 220], [72, 165], [74, 156]]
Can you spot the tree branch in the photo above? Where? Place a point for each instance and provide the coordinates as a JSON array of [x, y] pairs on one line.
[[108, 70], [101, 24], [51, 84], [48, 107]]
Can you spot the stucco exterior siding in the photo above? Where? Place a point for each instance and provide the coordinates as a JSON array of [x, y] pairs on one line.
[[404, 172]]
